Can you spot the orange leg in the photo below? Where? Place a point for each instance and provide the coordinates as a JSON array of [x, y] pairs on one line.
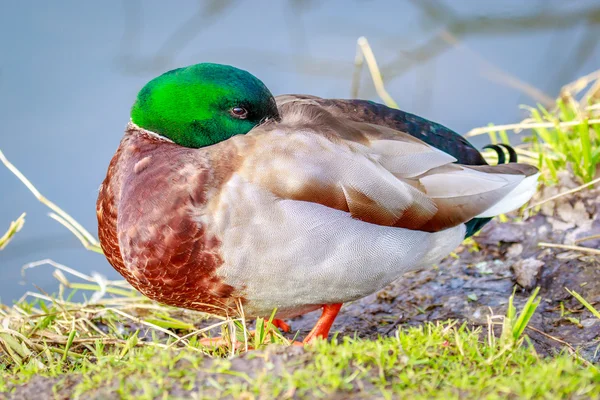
[[320, 330], [323, 325], [214, 341], [220, 341], [279, 323]]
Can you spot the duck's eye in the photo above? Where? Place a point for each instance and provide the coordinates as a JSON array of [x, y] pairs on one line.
[[239, 112]]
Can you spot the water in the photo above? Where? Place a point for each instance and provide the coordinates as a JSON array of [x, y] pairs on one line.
[[70, 70]]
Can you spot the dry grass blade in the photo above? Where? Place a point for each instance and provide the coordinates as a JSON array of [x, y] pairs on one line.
[[364, 52], [587, 238], [141, 321], [570, 247], [64, 328], [521, 126], [15, 226], [95, 247], [101, 287], [86, 238], [584, 302], [581, 83], [569, 347], [565, 193]]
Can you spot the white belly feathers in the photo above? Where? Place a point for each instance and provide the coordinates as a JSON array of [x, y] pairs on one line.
[[296, 255]]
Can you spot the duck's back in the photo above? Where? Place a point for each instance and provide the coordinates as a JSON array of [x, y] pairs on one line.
[[430, 132]]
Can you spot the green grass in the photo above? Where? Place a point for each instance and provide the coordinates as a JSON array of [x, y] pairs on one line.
[[562, 146], [567, 137], [123, 345], [55, 331], [585, 303], [13, 228], [440, 360]]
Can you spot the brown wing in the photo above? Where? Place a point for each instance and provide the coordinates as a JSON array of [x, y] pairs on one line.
[[376, 173]]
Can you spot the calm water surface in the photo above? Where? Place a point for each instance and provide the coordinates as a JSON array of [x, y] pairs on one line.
[[70, 70]]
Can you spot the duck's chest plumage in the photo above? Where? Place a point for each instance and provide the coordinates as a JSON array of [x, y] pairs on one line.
[[146, 213]]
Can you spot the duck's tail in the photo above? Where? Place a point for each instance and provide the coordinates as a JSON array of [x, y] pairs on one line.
[[512, 154], [527, 178], [514, 199]]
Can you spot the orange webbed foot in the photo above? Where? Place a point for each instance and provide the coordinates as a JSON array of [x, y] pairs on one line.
[[215, 341], [220, 341], [281, 325], [320, 330], [323, 325]]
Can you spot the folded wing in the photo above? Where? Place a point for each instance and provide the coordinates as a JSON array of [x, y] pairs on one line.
[[377, 174]]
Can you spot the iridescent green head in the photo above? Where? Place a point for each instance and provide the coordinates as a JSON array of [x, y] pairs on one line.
[[203, 104]]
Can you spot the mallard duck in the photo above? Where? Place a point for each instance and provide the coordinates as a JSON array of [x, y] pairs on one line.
[[221, 194]]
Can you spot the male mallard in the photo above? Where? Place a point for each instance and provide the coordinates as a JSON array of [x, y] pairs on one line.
[[221, 194]]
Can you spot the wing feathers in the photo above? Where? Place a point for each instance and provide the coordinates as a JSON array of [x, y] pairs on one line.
[[462, 193], [407, 160], [463, 181], [378, 175], [515, 198]]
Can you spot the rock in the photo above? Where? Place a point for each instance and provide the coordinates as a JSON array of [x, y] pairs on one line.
[[484, 268], [589, 322], [515, 250], [559, 225], [573, 215], [526, 271]]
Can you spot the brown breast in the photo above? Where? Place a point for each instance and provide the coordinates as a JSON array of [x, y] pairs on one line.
[[148, 222]]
